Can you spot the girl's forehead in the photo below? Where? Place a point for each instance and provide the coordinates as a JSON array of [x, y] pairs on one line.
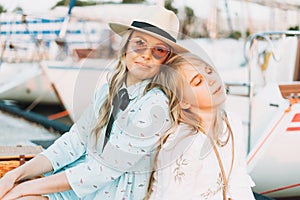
[[189, 68], [189, 72], [139, 34], [145, 36]]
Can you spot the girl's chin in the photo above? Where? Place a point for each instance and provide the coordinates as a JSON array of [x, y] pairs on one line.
[[142, 75]]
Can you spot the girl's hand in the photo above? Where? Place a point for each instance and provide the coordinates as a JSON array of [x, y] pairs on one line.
[[7, 182], [14, 193]]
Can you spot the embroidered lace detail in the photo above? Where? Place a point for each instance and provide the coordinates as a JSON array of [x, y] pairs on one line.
[[178, 171], [212, 191]]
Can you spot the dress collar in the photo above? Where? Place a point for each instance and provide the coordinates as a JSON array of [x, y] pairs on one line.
[[137, 89]]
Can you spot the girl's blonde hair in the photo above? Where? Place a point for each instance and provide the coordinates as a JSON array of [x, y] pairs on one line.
[[115, 82]]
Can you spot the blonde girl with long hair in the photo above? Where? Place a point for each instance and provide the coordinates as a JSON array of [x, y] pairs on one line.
[[108, 153], [203, 155]]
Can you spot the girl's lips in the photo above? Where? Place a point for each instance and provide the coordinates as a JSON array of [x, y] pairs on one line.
[[216, 91], [143, 65]]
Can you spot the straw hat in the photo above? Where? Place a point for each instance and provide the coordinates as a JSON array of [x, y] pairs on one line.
[[163, 24], [157, 22]]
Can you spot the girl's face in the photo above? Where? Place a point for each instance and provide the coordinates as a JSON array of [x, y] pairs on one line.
[[144, 55], [204, 88]]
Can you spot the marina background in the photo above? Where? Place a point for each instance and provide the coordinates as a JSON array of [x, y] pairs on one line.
[[54, 57]]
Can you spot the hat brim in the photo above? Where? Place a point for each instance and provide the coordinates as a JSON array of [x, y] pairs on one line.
[[121, 29]]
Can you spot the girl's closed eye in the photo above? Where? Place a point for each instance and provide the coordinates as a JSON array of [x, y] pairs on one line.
[[197, 80]]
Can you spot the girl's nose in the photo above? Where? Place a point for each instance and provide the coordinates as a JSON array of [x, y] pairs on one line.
[[147, 53], [211, 82]]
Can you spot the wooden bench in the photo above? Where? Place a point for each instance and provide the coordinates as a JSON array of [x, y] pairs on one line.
[[14, 156]]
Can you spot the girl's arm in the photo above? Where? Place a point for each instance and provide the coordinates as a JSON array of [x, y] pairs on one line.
[[35, 167], [65, 150], [50, 184], [72, 145]]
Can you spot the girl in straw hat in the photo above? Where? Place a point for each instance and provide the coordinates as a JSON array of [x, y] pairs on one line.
[[108, 152], [203, 154]]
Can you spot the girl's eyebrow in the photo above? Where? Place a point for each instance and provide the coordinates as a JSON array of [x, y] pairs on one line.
[[158, 43], [139, 37]]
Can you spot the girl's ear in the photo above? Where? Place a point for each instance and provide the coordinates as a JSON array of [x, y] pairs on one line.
[[184, 105]]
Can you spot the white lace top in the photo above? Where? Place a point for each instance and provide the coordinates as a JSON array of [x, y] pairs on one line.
[[188, 168]]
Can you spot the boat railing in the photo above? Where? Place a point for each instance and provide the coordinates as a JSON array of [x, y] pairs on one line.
[[30, 38]]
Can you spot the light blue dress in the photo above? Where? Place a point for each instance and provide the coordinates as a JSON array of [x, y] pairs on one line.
[[122, 170]]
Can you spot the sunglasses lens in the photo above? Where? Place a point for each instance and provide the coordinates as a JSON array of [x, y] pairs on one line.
[[139, 46], [160, 52]]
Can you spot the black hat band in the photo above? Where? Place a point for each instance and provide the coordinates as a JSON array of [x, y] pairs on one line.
[[153, 29]]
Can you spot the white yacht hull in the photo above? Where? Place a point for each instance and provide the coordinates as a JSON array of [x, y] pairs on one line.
[[272, 160], [76, 82], [25, 82]]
